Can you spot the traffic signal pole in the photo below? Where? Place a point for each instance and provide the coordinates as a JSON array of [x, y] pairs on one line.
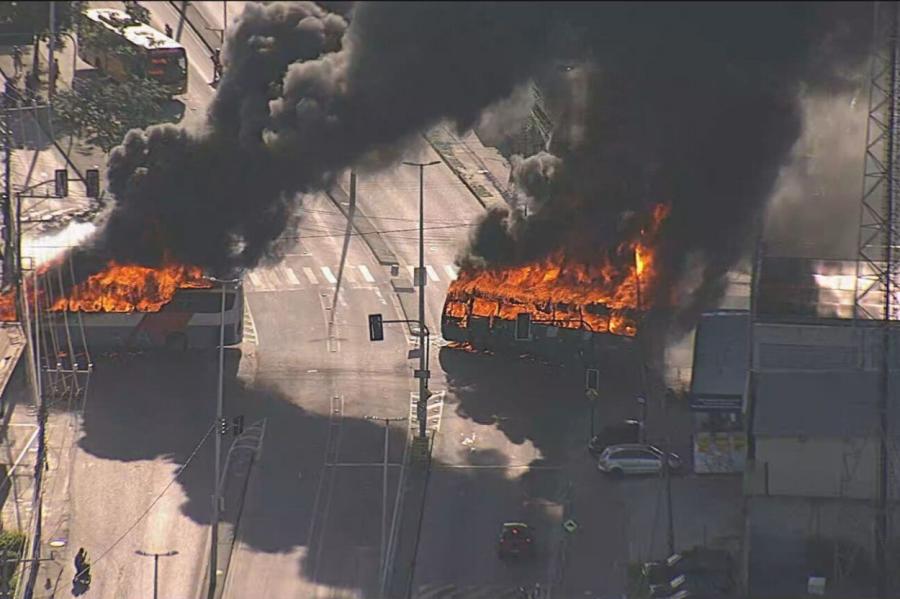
[[422, 374]]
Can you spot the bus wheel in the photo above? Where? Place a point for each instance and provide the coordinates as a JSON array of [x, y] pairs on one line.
[[177, 342]]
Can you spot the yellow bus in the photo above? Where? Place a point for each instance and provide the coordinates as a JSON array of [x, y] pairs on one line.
[[120, 46]]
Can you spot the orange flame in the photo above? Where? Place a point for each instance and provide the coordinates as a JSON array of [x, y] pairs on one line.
[[602, 296], [119, 288]]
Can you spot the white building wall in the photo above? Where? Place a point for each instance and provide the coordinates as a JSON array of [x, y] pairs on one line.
[[818, 467]]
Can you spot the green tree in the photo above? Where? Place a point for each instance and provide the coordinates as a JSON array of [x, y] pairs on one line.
[[103, 111], [11, 544]]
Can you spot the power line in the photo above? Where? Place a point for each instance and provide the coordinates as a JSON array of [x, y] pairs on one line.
[[160, 496]]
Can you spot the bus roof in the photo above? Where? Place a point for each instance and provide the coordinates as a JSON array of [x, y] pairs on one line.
[[135, 32]]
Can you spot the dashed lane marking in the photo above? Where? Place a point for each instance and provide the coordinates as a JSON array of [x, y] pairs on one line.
[[249, 325]]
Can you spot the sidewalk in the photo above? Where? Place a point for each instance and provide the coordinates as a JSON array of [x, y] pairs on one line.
[[482, 170], [35, 157], [236, 480]]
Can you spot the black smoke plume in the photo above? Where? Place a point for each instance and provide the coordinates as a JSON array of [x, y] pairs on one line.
[[694, 105], [690, 104], [304, 96]]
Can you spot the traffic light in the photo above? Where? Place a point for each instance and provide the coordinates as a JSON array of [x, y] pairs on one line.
[[376, 327], [237, 425], [523, 326], [92, 183], [223, 426], [61, 183], [592, 379]]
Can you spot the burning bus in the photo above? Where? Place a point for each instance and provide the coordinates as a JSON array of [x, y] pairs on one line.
[[559, 308], [133, 307]]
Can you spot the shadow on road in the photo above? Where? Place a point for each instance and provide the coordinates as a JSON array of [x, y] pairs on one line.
[[525, 399], [156, 406]]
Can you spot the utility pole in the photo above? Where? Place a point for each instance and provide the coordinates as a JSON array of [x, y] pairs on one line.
[[384, 483], [351, 212], [878, 264], [156, 557], [220, 416], [670, 521], [51, 46], [422, 374]]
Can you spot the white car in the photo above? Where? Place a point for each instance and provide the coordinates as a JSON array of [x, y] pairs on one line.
[[634, 458]]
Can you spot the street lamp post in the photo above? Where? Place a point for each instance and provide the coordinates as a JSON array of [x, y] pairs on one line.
[[156, 557], [422, 374], [384, 482], [220, 409]]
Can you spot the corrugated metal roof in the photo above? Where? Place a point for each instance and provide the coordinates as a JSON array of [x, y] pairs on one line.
[[820, 404], [721, 353]]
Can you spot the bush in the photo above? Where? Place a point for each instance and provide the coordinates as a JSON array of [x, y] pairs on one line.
[[12, 542]]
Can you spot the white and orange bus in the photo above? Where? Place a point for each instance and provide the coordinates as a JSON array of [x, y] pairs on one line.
[[191, 320]]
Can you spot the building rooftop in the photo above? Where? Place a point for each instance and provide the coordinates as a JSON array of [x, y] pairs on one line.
[[721, 357]]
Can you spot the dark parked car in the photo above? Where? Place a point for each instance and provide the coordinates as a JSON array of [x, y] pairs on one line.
[[516, 540], [627, 431], [688, 562]]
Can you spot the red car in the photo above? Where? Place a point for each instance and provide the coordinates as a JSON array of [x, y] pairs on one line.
[[516, 540]]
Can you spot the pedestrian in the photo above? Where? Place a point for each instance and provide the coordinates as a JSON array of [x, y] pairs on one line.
[[17, 59], [168, 30], [80, 561], [217, 65]]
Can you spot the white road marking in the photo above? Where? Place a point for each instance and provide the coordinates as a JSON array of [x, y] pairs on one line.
[[248, 318], [254, 278], [291, 277], [452, 271], [271, 278], [432, 274], [366, 274], [329, 276], [310, 275], [412, 273]]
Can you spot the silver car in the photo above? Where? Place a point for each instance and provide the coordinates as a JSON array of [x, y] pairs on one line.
[[634, 458]]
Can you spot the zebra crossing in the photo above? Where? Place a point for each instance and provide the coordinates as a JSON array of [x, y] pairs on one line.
[[282, 277]]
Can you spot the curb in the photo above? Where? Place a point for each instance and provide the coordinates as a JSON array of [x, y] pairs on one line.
[[228, 533]]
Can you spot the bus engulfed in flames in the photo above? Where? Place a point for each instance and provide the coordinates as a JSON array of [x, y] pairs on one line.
[[119, 288], [604, 297], [129, 307]]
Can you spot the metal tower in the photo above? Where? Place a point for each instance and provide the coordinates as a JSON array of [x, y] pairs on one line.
[[878, 266], [878, 269]]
